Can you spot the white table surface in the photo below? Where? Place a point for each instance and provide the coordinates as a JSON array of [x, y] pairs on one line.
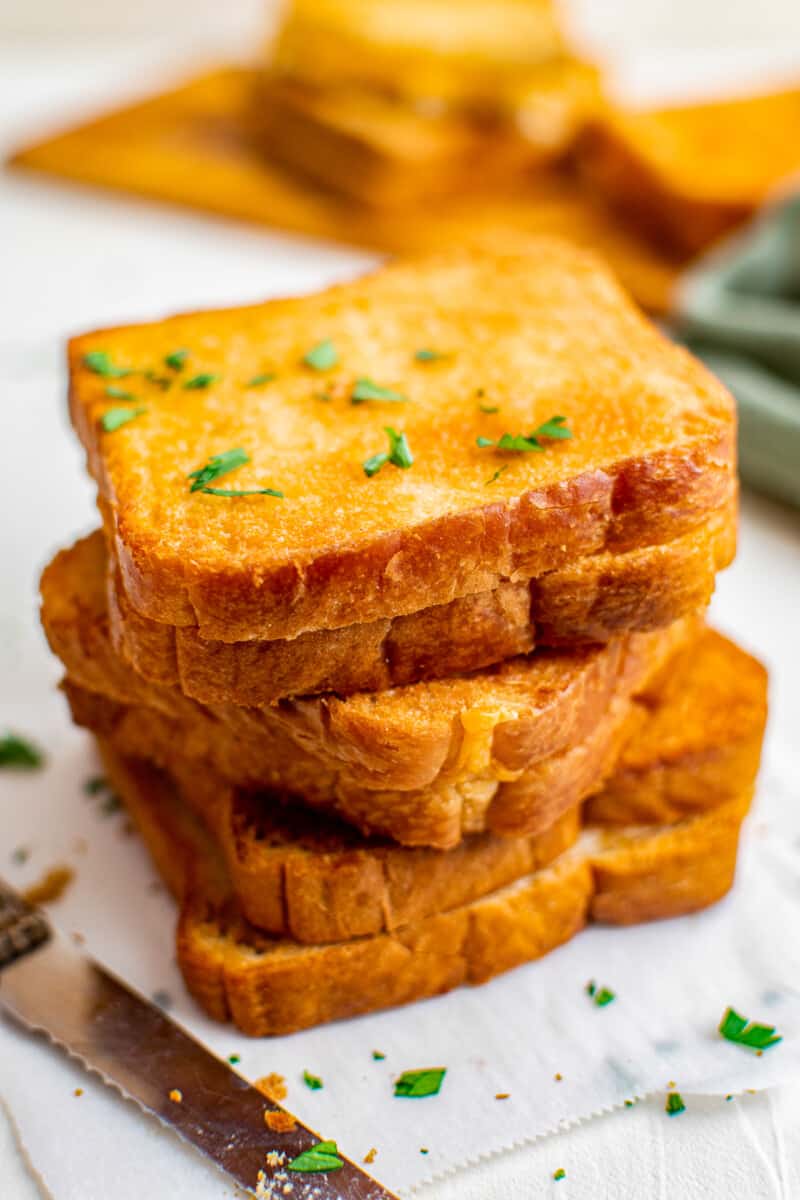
[[73, 259]]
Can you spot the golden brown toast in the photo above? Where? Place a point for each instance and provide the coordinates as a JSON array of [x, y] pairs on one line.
[[532, 327], [469, 57], [593, 600], [688, 175], [314, 879], [192, 145], [701, 741], [386, 153], [269, 985], [365, 146], [508, 748]]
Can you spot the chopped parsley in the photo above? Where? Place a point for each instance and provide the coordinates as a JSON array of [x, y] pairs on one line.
[[217, 465], [115, 418], [98, 786], [322, 357], [110, 804], [554, 429], [429, 356], [322, 1157], [176, 360], [601, 996], [160, 381], [378, 1055], [399, 454], [20, 855], [118, 393], [312, 1081], [16, 751], [497, 474], [209, 491], [99, 361], [736, 1028], [559, 1174], [674, 1105], [365, 390], [260, 380], [222, 464], [198, 382], [234, 1059], [414, 1085], [489, 408]]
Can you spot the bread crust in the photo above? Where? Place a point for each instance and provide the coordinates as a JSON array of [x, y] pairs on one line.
[[592, 600], [340, 547], [370, 148], [692, 743], [383, 152], [269, 986], [700, 742], [655, 165], [509, 748]]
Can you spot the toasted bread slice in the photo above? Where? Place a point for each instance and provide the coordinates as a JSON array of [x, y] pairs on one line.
[[594, 600], [533, 327], [365, 146], [161, 148], [467, 57], [384, 152], [508, 748], [314, 879], [701, 740], [271, 985], [688, 175]]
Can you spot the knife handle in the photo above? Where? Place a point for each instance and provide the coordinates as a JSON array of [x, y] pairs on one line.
[[22, 928]]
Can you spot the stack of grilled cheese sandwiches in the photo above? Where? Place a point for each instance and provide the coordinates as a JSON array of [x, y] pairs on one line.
[[393, 636], [396, 101]]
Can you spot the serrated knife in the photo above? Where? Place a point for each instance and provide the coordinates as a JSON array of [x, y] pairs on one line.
[[52, 987]]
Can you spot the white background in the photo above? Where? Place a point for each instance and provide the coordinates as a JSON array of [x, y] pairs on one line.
[[71, 260]]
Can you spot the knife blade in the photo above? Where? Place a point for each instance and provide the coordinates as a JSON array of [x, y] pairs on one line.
[[51, 986]]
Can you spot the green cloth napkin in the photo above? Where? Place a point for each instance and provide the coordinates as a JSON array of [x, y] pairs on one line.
[[739, 310]]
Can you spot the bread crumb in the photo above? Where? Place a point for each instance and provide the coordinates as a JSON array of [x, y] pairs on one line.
[[51, 887], [558, 1077], [280, 1122], [275, 1158], [78, 1092], [370, 1156], [176, 1096], [502, 1095], [272, 1086]]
